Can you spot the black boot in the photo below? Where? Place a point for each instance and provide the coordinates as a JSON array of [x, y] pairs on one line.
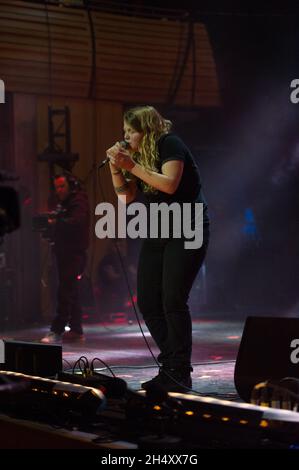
[[157, 380], [171, 380], [177, 379]]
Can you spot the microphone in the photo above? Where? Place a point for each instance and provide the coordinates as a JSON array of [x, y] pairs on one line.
[[123, 144]]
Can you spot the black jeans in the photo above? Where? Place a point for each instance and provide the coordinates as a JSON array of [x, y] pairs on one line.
[[68, 310], [166, 272]]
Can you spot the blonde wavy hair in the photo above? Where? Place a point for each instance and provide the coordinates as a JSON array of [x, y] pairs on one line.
[[147, 120]]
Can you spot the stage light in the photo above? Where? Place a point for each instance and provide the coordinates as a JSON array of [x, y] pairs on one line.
[[225, 418], [264, 423]]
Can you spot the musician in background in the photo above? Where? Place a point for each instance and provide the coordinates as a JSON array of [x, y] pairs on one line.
[[71, 240]]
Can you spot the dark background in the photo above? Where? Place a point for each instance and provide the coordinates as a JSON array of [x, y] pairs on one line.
[[247, 152]]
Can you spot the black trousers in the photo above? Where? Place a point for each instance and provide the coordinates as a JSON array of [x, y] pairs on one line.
[[68, 310], [166, 272]]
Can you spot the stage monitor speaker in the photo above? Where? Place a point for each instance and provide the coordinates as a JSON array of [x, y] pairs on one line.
[[269, 349], [43, 360]]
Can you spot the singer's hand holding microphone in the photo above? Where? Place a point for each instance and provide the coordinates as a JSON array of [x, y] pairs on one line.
[[120, 157]]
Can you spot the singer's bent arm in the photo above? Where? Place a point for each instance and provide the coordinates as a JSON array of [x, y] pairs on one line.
[[167, 181], [130, 194], [125, 188]]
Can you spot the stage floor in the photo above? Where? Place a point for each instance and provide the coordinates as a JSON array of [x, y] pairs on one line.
[[122, 347]]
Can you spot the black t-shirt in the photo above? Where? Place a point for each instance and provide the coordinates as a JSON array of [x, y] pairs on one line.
[[171, 147]]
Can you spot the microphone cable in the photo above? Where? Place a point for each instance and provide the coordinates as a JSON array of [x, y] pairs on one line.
[[126, 277], [96, 166], [188, 389]]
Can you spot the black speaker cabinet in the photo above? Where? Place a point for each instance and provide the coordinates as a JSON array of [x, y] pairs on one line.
[[43, 360], [269, 349]]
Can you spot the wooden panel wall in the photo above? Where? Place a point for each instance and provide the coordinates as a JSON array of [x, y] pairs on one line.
[[44, 50], [95, 126], [49, 51], [22, 246]]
